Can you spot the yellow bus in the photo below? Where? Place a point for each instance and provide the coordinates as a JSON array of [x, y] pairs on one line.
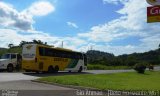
[[44, 58]]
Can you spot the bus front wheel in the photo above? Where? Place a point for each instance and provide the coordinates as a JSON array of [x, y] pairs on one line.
[[80, 69]]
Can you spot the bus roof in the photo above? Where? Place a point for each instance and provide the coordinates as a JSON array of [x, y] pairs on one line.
[[57, 48]]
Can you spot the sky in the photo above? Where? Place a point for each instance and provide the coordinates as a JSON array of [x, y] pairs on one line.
[[114, 26]]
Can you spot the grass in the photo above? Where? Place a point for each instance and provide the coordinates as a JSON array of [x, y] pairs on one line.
[[116, 81], [103, 67]]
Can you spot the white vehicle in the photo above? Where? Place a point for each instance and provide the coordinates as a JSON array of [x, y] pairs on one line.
[[10, 61]]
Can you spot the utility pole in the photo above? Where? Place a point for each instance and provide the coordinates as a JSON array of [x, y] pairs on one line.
[[62, 44], [91, 47]]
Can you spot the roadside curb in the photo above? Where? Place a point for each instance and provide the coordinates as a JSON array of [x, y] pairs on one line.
[[68, 86]]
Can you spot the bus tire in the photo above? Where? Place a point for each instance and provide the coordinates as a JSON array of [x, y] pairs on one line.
[[37, 72], [80, 69], [50, 69], [10, 68], [27, 71], [56, 69]]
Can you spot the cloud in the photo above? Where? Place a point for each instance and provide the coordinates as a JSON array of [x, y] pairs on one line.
[[131, 23], [72, 24], [17, 26], [116, 29], [15, 37], [115, 1], [11, 18], [41, 8]]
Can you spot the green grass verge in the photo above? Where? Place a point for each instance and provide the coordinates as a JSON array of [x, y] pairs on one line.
[[103, 67], [116, 81]]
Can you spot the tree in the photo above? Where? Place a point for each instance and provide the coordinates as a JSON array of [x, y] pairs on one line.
[[32, 42], [130, 60], [22, 43], [140, 67], [10, 45], [40, 42], [37, 41]]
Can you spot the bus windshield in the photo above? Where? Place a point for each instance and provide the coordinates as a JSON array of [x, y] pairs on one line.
[[29, 52]]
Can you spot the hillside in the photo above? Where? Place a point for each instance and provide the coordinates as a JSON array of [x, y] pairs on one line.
[[104, 58], [96, 56], [16, 49]]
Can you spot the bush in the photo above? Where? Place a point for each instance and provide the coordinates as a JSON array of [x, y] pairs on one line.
[[140, 67], [104, 67], [96, 67]]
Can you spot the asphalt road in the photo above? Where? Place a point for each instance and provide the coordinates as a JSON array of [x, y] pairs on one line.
[[115, 71], [28, 85], [22, 82]]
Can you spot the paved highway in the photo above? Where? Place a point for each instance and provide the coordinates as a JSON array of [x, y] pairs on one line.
[[25, 87], [114, 71]]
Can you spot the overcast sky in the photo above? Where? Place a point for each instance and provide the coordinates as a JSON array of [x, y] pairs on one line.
[[114, 26]]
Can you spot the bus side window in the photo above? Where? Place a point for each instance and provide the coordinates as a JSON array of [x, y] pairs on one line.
[[41, 51], [56, 53], [53, 53], [68, 55], [75, 55], [64, 55], [48, 52], [79, 56], [72, 56]]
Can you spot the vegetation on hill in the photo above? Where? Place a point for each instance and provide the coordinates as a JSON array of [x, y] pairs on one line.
[[97, 58], [94, 57], [16, 49]]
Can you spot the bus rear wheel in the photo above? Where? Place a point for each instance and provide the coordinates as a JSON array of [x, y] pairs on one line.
[[50, 69]]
